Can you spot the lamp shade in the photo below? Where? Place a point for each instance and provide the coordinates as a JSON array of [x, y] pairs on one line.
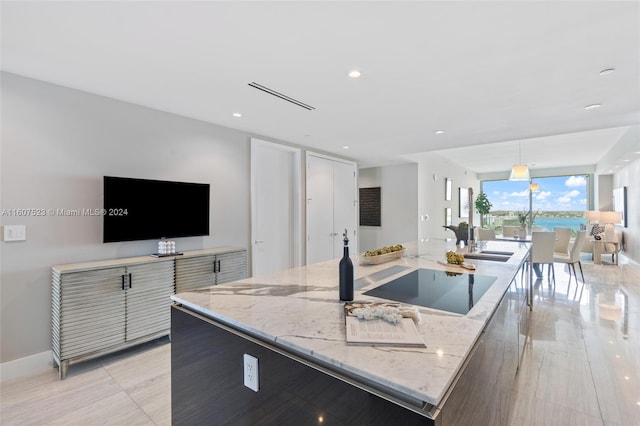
[[520, 172], [610, 217], [592, 215]]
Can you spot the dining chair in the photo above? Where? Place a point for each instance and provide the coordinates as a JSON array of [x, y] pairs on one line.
[[574, 256], [486, 234], [542, 244], [563, 235], [510, 231]]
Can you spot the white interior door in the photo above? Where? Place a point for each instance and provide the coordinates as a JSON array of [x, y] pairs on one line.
[[275, 207], [319, 209], [344, 206], [331, 207]]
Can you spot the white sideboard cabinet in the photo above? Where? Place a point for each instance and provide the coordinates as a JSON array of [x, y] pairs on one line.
[[105, 306]]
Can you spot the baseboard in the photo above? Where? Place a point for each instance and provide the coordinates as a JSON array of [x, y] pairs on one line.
[[26, 366]]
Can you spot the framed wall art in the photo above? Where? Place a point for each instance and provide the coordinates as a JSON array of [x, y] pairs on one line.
[[620, 203], [370, 206], [447, 189], [463, 202]]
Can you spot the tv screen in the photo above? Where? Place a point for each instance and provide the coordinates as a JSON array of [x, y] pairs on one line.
[[143, 209]]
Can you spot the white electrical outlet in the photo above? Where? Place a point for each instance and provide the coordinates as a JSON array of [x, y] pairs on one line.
[[251, 374]]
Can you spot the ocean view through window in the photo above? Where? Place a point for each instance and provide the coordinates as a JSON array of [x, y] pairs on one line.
[[559, 202]]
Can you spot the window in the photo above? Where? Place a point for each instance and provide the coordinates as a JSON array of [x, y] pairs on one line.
[[560, 201]]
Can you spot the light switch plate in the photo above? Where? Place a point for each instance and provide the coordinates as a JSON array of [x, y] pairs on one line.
[[14, 233]]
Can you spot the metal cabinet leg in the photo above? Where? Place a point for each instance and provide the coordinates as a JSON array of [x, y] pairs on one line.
[[62, 369]]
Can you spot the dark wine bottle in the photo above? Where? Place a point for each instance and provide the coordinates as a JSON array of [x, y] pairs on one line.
[[346, 272]]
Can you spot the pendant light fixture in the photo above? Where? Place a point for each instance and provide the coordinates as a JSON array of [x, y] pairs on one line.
[[534, 187], [520, 171]]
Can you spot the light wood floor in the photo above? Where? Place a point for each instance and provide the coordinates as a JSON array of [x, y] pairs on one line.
[[579, 368]]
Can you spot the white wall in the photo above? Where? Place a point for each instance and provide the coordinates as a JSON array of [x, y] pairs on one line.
[[399, 205], [57, 144], [413, 199], [629, 176], [432, 171], [626, 174]]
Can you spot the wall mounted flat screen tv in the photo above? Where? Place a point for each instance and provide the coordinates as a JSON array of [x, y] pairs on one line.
[[143, 209]]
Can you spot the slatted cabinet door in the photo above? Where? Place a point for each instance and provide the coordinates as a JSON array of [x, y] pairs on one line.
[[231, 266], [149, 299], [88, 311], [195, 272]]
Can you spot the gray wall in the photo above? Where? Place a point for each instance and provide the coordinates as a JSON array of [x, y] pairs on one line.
[[399, 205], [57, 144]]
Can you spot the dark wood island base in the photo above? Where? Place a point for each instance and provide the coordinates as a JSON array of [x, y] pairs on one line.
[[207, 385]]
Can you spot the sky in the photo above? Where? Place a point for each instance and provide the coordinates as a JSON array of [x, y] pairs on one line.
[[563, 193]]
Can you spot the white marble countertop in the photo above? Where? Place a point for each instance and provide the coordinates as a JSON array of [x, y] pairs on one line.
[[299, 310]]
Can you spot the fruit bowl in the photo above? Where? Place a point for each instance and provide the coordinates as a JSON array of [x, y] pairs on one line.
[[374, 260]]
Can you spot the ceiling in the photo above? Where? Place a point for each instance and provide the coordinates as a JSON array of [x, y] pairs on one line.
[[488, 74]]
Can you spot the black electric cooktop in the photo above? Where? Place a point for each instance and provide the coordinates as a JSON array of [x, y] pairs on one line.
[[446, 291]]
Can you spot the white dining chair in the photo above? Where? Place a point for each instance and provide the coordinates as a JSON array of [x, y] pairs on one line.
[[486, 234], [563, 235], [510, 231], [574, 256], [542, 244]]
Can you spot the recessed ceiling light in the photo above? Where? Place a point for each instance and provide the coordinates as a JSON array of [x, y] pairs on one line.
[[237, 114], [345, 147], [593, 106], [607, 71], [439, 132], [355, 74]]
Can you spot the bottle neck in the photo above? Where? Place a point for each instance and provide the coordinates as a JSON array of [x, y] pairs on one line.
[[345, 251]]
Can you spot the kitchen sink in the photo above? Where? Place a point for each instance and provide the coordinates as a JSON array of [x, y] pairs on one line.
[[500, 253], [494, 256]]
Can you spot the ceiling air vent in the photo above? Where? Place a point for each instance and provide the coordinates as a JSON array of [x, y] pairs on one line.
[[281, 96]]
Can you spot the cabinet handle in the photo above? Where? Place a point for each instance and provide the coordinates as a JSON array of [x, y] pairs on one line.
[[219, 267], [130, 279], [122, 277], [215, 266]]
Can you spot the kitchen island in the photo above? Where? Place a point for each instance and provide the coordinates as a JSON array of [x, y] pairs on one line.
[[293, 323]]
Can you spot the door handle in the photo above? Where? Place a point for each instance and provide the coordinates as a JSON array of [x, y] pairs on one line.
[[258, 241], [333, 234]]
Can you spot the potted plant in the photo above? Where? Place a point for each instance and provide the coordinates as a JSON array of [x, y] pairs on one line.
[[526, 219], [483, 206]]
